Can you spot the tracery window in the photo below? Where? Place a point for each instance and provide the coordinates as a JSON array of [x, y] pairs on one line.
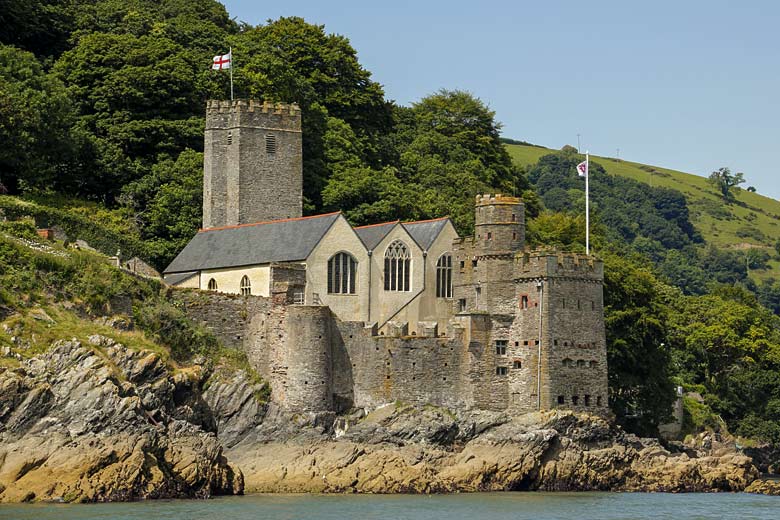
[[444, 276], [342, 274], [246, 286], [212, 285], [398, 264]]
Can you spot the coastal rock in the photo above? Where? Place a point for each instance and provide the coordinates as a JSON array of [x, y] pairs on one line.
[[100, 422], [400, 449], [764, 487]]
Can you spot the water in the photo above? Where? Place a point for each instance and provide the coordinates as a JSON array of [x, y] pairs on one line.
[[488, 506]]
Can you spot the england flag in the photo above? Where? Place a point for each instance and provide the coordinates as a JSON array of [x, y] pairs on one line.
[[222, 62]]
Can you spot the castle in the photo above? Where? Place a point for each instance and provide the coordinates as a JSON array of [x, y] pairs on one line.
[[337, 317]]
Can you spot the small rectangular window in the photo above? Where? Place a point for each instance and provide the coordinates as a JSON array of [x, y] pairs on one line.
[[561, 399], [501, 371], [490, 236], [524, 301], [462, 305], [462, 264], [501, 345], [270, 144], [587, 400], [473, 263], [575, 399], [517, 364]]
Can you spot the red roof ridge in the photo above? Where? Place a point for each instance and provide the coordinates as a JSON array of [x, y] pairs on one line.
[[380, 224], [202, 230], [445, 217]]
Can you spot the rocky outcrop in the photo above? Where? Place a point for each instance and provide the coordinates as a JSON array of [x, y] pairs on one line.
[[101, 422], [98, 421], [400, 449], [764, 487]]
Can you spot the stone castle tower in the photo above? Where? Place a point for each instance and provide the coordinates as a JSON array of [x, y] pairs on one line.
[[252, 165]]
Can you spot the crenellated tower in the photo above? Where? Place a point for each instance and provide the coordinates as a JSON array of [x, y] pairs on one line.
[[499, 233], [252, 162]]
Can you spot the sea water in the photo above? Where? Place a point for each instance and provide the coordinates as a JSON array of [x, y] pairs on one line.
[[477, 506]]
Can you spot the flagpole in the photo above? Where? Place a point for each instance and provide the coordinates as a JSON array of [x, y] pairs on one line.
[[587, 203], [230, 51]]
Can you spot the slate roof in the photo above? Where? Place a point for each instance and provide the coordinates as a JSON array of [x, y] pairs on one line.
[[424, 232], [288, 240], [373, 234], [177, 278]]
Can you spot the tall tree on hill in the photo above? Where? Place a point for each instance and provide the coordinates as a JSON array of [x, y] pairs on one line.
[[727, 183]]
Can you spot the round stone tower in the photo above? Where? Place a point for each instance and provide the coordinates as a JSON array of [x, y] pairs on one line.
[[499, 224], [499, 232], [307, 352]]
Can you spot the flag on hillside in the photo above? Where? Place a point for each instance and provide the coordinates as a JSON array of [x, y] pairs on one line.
[[582, 168], [222, 62]]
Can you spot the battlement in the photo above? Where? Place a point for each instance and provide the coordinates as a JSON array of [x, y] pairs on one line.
[[217, 106], [498, 198], [557, 263]]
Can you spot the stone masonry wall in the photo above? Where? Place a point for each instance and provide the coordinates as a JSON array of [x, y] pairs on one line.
[[314, 361], [228, 316], [253, 165]]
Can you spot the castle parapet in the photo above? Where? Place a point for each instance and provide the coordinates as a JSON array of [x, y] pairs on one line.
[[553, 263], [218, 106]]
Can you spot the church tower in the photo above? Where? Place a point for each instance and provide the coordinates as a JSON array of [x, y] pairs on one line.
[[252, 162]]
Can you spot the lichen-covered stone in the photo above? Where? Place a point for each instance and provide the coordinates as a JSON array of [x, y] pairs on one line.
[[102, 422]]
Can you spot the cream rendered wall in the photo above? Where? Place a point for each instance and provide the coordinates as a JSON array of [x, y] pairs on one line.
[[339, 238], [229, 279], [427, 307], [193, 282], [385, 304]]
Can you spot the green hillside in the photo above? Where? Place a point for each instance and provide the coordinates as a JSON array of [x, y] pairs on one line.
[[754, 221]]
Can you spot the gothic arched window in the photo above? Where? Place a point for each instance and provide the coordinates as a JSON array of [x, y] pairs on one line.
[[212, 285], [398, 264], [444, 276], [246, 286], [342, 274]]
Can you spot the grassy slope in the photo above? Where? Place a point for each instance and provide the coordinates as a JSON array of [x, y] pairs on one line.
[[756, 216]]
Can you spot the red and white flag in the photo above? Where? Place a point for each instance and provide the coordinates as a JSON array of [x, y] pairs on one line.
[[222, 62], [582, 169]]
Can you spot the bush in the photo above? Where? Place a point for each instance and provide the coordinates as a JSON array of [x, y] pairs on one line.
[[170, 326]]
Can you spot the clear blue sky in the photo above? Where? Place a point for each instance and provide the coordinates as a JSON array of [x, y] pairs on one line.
[[689, 85]]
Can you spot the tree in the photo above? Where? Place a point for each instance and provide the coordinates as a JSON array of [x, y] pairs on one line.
[[727, 183], [638, 354], [138, 100], [442, 152], [294, 61], [167, 204], [40, 148]]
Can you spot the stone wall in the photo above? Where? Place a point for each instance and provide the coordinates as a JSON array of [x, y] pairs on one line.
[[228, 316], [314, 361]]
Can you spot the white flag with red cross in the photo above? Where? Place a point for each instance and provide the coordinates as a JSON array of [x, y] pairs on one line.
[[582, 169], [222, 62]]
